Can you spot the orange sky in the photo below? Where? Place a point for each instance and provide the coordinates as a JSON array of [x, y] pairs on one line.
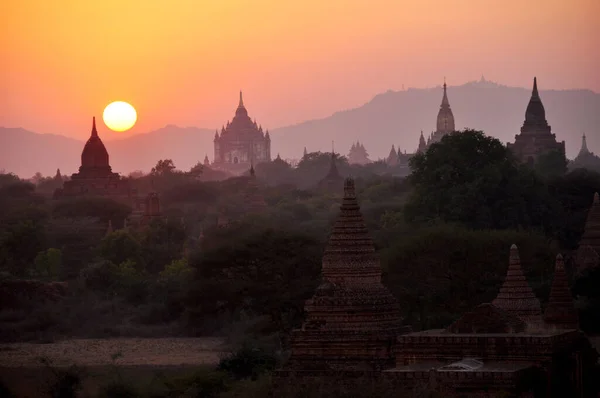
[[183, 61]]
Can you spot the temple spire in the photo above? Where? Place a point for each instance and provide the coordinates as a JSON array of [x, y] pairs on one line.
[[94, 131], [560, 311], [516, 295], [584, 149], [241, 104], [535, 93]]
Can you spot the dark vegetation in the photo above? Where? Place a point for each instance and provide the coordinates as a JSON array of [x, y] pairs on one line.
[[443, 234]]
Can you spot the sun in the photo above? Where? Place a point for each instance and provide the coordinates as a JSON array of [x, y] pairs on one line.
[[119, 116]]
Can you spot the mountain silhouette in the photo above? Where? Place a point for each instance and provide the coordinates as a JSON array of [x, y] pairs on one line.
[[394, 117]]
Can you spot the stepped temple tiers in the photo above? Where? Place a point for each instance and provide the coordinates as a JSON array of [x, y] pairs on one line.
[[241, 143], [588, 251], [503, 348], [352, 320], [95, 176], [585, 158], [536, 137]]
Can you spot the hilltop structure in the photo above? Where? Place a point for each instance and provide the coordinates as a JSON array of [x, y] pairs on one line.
[[95, 176], [444, 124], [241, 143], [536, 136]]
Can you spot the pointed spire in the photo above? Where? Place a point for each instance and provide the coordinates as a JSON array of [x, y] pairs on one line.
[[560, 311], [584, 149], [305, 153], [241, 104], [534, 92], [94, 131], [516, 296]]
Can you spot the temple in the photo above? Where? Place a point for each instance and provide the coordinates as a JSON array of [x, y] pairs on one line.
[[333, 181], [241, 143], [585, 158], [358, 154], [146, 210], [254, 202], [352, 320], [516, 296], [95, 176], [588, 251], [560, 311], [502, 348], [445, 120], [536, 137]]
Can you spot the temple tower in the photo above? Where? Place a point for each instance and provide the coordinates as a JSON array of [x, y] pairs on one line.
[[352, 320], [560, 312], [333, 181], [516, 296], [536, 137], [241, 142], [589, 244], [445, 119]]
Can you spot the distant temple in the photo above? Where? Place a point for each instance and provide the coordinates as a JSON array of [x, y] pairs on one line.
[[241, 143], [333, 180], [536, 137], [358, 154], [95, 176], [444, 124], [585, 158]]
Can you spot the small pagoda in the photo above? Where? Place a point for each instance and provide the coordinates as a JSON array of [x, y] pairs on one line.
[[333, 181], [560, 312], [589, 244], [516, 296]]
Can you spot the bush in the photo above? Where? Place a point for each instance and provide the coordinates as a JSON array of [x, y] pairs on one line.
[[248, 362]]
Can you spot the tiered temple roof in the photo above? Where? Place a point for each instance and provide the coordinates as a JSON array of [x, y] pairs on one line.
[[333, 181], [560, 311], [516, 296], [589, 244], [352, 320]]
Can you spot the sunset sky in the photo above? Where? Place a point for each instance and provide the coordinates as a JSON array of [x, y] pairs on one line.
[[183, 61]]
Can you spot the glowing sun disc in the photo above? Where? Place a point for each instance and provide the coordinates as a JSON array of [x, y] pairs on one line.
[[119, 116]]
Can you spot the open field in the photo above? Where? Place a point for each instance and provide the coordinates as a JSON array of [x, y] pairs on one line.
[[143, 360], [125, 351]]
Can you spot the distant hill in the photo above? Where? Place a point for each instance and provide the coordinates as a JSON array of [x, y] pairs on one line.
[[394, 117]]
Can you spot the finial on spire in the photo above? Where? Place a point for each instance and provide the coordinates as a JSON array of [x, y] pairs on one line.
[[94, 131], [535, 89], [241, 105]]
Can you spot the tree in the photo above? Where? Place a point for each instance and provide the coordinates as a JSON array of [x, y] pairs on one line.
[[119, 247], [48, 263], [551, 164], [474, 180], [163, 167]]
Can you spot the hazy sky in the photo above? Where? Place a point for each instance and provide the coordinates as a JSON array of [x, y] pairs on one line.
[[183, 61]]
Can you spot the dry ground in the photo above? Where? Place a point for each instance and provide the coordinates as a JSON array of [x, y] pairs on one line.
[[138, 359], [128, 351]]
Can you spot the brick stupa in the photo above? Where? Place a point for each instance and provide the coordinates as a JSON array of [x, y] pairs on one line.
[[352, 320], [560, 312], [516, 296], [589, 245]]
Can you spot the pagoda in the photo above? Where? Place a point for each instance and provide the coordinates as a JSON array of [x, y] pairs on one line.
[[516, 296], [445, 120], [333, 181], [352, 320], [254, 201], [95, 176], [241, 142], [536, 136], [585, 158], [589, 245], [560, 312]]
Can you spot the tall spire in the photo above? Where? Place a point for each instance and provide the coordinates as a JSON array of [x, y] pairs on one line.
[[584, 149], [535, 93], [445, 118], [516, 296], [94, 131], [535, 114], [560, 311], [241, 104]]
